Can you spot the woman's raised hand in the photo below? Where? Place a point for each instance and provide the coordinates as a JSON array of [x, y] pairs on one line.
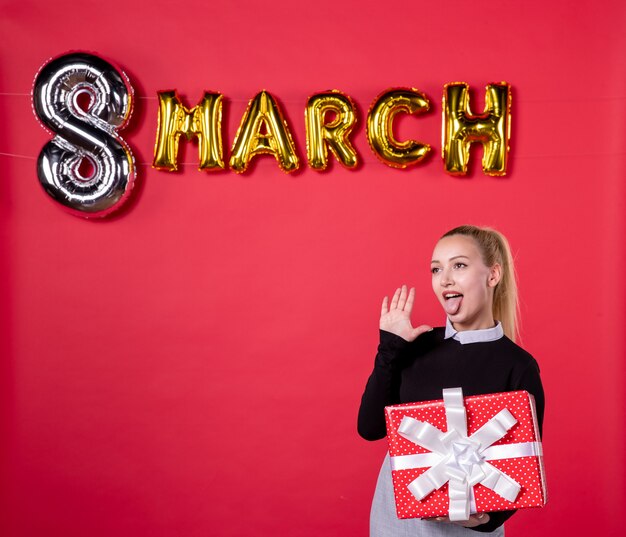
[[396, 317]]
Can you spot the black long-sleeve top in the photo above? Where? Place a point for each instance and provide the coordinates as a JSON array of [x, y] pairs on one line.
[[407, 372]]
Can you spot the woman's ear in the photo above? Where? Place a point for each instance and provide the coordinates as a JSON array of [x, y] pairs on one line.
[[495, 274]]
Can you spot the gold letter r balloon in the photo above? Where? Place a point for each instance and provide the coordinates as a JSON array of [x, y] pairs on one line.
[[322, 135]]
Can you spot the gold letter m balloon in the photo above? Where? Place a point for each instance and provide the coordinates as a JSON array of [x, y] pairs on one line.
[[203, 121], [492, 128]]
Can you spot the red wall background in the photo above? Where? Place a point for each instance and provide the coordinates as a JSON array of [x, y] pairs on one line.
[[194, 364]]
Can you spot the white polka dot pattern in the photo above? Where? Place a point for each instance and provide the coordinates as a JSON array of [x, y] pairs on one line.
[[527, 471]]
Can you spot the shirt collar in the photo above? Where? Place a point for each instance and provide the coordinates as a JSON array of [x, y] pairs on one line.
[[473, 336]]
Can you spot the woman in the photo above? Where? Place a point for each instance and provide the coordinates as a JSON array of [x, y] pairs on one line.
[[474, 279]]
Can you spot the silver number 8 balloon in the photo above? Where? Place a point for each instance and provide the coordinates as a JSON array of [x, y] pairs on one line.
[[84, 100]]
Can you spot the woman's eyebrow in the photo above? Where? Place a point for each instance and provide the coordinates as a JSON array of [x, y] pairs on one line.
[[451, 259]]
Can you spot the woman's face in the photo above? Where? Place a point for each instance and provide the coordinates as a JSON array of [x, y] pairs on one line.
[[463, 283]]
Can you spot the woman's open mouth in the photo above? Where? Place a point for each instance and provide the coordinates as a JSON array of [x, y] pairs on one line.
[[452, 302]]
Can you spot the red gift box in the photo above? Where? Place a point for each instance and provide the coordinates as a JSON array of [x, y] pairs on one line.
[[459, 455]]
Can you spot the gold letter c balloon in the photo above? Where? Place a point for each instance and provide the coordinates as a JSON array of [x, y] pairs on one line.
[[380, 127]]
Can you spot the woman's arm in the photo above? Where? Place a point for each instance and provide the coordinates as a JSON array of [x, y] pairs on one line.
[[530, 381], [383, 387], [396, 332]]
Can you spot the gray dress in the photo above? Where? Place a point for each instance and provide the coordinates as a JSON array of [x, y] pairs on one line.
[[385, 523]]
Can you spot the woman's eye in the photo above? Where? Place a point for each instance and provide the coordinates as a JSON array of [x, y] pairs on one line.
[[435, 270], [460, 265]]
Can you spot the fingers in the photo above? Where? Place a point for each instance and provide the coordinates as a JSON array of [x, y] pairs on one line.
[[482, 518], [474, 520], [402, 299], [409, 301], [421, 330], [395, 298], [385, 307], [471, 522]]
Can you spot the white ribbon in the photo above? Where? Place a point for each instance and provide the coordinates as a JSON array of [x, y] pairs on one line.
[[458, 459]]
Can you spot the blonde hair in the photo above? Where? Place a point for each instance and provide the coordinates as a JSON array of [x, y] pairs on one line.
[[494, 248]]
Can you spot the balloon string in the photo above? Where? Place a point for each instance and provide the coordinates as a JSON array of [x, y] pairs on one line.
[[524, 101], [17, 156], [28, 157], [146, 98], [375, 161]]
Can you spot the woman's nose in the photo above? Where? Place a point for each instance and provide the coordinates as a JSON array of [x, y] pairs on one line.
[[446, 279]]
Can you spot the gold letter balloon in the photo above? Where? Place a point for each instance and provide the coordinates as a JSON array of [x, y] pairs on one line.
[[203, 121], [461, 128], [322, 135], [380, 127], [263, 131]]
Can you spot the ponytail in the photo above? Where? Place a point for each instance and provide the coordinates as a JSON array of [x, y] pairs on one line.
[[495, 249]]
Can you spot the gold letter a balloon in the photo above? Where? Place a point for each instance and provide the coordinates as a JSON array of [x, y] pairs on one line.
[[263, 131]]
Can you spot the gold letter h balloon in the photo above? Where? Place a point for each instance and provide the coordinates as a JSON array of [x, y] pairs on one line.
[[461, 128]]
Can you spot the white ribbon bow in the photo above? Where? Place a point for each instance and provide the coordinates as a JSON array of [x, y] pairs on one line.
[[458, 459]]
